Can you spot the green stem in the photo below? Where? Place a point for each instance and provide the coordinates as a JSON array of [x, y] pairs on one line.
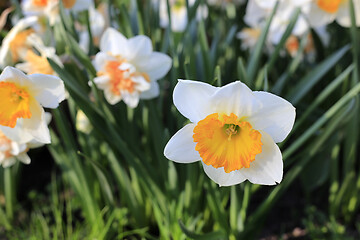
[[8, 193]]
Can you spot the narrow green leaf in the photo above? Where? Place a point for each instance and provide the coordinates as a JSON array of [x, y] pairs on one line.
[[313, 77], [208, 236], [256, 54]]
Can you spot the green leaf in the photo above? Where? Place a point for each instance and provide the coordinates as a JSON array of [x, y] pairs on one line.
[[312, 78], [218, 235]]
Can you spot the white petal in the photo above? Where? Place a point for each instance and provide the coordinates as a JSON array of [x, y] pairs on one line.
[[318, 17], [156, 65], [101, 58], [138, 47], [24, 158], [267, 168], [130, 99], [343, 15], [222, 178], [17, 133], [102, 82], [50, 89], [110, 97], [181, 146], [37, 125], [153, 92], [11, 74], [114, 42], [9, 162], [276, 116], [17, 148], [192, 99], [179, 19], [141, 84], [235, 98]]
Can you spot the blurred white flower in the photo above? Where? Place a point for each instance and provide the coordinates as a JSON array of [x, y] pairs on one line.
[[179, 14], [98, 24], [22, 117], [10, 150], [233, 131], [14, 44], [258, 11], [82, 122], [128, 69], [323, 12], [34, 63], [50, 8]]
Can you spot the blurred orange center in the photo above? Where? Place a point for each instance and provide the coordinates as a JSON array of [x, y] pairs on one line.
[[226, 141], [40, 3], [38, 64], [121, 79], [14, 104], [330, 6], [19, 43]]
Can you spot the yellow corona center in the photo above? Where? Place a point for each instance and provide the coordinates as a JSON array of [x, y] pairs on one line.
[[18, 43], [38, 64], [330, 6], [69, 3], [14, 104], [40, 3], [226, 141], [121, 80]]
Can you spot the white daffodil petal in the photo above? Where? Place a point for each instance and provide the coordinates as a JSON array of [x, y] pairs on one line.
[[222, 178], [130, 99], [192, 99], [14, 75], [8, 162], [235, 98], [110, 97], [276, 116], [101, 58], [24, 158], [267, 169], [156, 65], [181, 147], [343, 14], [113, 41], [36, 125], [138, 47], [102, 82], [318, 17], [16, 134], [50, 89], [153, 92]]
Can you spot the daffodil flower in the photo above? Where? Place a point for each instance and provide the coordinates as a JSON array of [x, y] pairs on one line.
[[22, 117], [179, 14], [127, 69], [11, 151], [14, 44], [233, 132], [323, 12], [50, 8], [34, 63]]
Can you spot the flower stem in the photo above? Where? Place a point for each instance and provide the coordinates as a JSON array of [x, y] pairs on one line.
[[8, 193]]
